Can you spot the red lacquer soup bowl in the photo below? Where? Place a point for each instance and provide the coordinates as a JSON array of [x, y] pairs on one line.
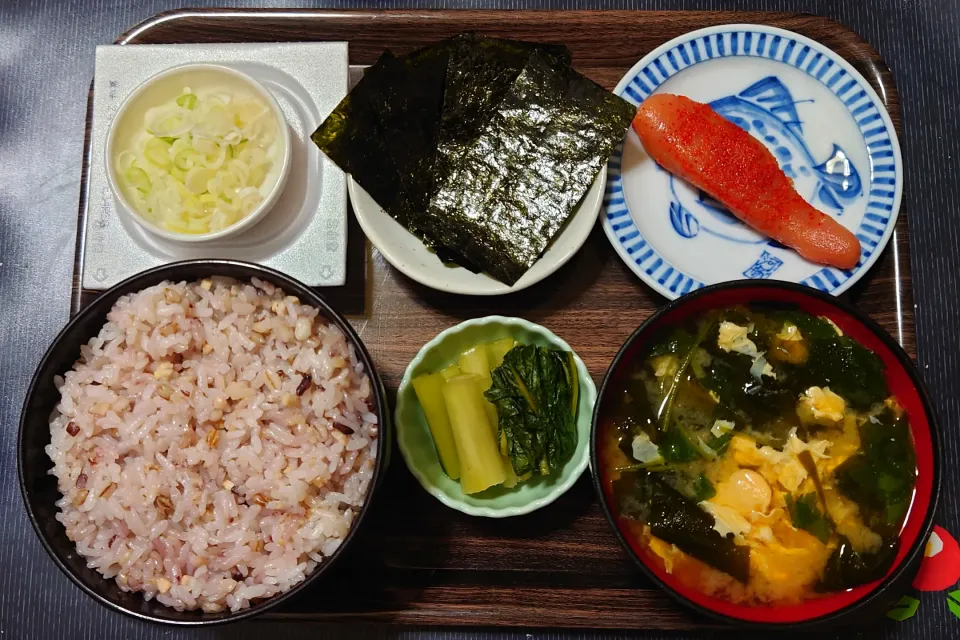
[[904, 383]]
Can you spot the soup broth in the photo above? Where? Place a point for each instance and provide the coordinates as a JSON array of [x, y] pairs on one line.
[[758, 454]]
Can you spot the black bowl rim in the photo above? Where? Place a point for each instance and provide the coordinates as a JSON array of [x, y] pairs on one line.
[[155, 275], [911, 370]]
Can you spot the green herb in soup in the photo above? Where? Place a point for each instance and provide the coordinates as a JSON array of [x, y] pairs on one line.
[[758, 454]]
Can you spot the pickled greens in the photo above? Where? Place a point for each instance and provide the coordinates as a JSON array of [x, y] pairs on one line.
[[503, 413], [534, 391]]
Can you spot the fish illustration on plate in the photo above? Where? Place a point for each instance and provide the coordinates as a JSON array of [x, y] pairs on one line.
[[768, 111]]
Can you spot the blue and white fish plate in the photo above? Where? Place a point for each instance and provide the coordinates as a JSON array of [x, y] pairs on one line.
[[819, 117]]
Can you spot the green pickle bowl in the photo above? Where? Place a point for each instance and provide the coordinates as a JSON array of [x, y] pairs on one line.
[[416, 442]]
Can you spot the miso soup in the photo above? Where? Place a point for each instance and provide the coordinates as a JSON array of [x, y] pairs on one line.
[[759, 455]]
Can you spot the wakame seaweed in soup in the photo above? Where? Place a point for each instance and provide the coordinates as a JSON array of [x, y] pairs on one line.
[[759, 455]]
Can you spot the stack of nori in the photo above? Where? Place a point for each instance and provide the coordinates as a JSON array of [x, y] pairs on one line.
[[481, 146], [353, 138]]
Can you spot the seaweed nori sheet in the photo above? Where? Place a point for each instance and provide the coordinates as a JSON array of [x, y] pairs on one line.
[[352, 137], [479, 72], [509, 190], [480, 146], [408, 105]]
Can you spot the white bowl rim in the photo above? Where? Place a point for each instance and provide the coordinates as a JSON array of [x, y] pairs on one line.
[[254, 216], [588, 390], [434, 281]]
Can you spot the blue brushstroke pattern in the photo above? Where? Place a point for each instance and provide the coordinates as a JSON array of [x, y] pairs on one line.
[[715, 208], [684, 222], [768, 110], [841, 180], [764, 267]]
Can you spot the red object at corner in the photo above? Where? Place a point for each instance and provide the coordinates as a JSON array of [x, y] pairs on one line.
[[940, 568]]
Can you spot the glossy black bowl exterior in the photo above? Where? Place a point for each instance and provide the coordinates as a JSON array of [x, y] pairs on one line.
[[39, 488], [875, 602]]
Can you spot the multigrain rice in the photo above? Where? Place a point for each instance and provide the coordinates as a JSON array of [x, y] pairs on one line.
[[196, 465]]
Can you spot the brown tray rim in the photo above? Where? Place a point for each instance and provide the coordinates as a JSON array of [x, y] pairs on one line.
[[449, 613]]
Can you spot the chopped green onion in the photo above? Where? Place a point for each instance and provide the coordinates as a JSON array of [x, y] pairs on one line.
[[202, 165], [187, 101], [138, 178], [257, 174], [157, 152], [197, 179], [178, 174], [184, 159]]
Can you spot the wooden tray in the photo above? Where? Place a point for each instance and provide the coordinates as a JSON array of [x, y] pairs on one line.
[[417, 561]]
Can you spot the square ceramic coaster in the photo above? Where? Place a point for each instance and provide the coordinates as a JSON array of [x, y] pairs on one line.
[[304, 235]]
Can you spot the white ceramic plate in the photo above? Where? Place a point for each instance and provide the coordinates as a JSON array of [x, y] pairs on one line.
[[407, 253], [819, 117]]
